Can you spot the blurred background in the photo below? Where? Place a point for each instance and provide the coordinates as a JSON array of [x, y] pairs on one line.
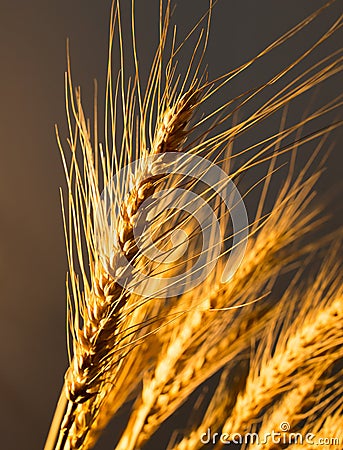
[[32, 256]]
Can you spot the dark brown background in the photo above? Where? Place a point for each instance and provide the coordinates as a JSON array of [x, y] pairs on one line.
[[32, 255]]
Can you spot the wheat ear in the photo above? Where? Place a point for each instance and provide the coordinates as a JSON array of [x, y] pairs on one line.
[[313, 337], [103, 317], [101, 342], [197, 356], [176, 131], [191, 352], [292, 407]]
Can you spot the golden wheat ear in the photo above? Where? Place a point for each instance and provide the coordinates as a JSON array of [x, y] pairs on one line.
[[309, 344], [295, 373], [102, 341]]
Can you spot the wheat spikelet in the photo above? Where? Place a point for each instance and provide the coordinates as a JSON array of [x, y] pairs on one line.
[[277, 372], [107, 303], [288, 407], [171, 132], [324, 429]]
